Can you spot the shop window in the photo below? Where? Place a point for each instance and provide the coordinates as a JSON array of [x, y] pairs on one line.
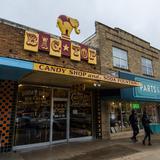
[[120, 58], [147, 68], [33, 115], [121, 110], [80, 114], [119, 116]]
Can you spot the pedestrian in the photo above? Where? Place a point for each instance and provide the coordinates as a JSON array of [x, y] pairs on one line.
[[147, 130], [134, 124]]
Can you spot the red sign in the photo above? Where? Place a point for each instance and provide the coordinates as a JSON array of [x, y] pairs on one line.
[[44, 42], [66, 47]]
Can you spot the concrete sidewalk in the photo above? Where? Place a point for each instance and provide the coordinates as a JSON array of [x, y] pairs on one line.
[[118, 149]]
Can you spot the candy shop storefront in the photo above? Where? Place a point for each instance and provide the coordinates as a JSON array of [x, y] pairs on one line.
[[49, 88]]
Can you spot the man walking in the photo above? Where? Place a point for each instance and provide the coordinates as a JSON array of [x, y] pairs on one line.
[[134, 124]]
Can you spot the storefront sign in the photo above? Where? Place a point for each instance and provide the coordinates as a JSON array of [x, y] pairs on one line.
[[44, 42], [148, 89], [135, 106], [66, 25], [58, 47], [55, 47], [77, 73], [63, 45], [31, 41]]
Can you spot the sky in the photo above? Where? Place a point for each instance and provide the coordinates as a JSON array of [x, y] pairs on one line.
[[138, 17]]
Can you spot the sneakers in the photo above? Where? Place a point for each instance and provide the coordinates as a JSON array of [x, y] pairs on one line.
[[134, 139], [149, 143]]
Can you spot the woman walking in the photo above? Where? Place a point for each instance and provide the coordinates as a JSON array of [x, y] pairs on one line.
[[145, 123]]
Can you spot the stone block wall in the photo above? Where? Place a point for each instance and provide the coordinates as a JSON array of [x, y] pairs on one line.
[[107, 37]]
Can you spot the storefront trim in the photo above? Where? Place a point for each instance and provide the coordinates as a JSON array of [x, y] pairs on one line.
[[14, 69], [82, 74]]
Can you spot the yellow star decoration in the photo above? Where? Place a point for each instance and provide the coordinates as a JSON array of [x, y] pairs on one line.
[[65, 47]]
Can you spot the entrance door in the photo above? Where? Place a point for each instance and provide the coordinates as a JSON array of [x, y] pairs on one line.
[[59, 119]]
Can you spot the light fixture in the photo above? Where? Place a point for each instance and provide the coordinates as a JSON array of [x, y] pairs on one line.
[[20, 85], [97, 84]]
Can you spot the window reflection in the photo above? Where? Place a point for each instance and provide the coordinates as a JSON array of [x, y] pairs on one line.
[[80, 114], [33, 115]]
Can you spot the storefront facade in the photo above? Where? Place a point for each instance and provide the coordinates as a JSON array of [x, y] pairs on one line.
[[50, 87], [126, 56]]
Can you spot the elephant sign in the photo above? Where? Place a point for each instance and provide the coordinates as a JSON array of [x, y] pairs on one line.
[[66, 25]]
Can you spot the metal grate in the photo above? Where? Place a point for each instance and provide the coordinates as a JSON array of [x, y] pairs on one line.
[[98, 116], [8, 90]]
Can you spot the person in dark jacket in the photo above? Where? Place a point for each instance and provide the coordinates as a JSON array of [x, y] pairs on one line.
[[134, 124], [147, 130]]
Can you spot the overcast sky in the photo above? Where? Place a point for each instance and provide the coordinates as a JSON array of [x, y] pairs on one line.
[[139, 17]]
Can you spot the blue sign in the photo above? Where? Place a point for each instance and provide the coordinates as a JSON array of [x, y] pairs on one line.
[[149, 89]]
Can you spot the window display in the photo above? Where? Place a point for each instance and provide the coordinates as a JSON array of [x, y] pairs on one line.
[[33, 115], [80, 114], [59, 131], [43, 118], [120, 111]]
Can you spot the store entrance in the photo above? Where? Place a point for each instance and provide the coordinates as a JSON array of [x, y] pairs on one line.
[[47, 116], [59, 122]]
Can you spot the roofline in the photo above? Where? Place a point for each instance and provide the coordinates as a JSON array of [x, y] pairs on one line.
[[119, 29], [24, 27], [88, 38]]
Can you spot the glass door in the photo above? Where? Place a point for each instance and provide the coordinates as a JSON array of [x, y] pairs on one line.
[[59, 119]]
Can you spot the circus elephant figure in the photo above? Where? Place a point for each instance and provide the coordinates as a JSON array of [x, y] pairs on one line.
[[67, 24]]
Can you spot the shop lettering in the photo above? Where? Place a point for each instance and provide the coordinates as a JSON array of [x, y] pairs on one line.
[[31, 39], [150, 88], [109, 78], [78, 73], [94, 76], [123, 81], [52, 69], [59, 46]]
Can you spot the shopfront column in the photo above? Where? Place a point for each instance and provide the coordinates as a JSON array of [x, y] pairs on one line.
[[8, 91], [105, 110]]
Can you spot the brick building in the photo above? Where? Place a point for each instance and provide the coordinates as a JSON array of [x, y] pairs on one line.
[[49, 88], [126, 56]]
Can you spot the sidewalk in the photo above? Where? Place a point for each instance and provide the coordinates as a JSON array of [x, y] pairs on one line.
[[117, 149]]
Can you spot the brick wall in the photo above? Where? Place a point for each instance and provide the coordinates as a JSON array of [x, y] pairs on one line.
[[8, 90], [12, 42]]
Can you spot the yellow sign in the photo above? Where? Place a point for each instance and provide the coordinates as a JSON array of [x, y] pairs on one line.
[[66, 25], [75, 52], [92, 56], [77, 73], [31, 41], [55, 47]]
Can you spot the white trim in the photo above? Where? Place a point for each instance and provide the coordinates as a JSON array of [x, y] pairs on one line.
[[59, 141], [60, 99], [81, 139], [20, 147]]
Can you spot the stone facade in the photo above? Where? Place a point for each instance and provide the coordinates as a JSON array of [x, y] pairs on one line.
[[104, 39]]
